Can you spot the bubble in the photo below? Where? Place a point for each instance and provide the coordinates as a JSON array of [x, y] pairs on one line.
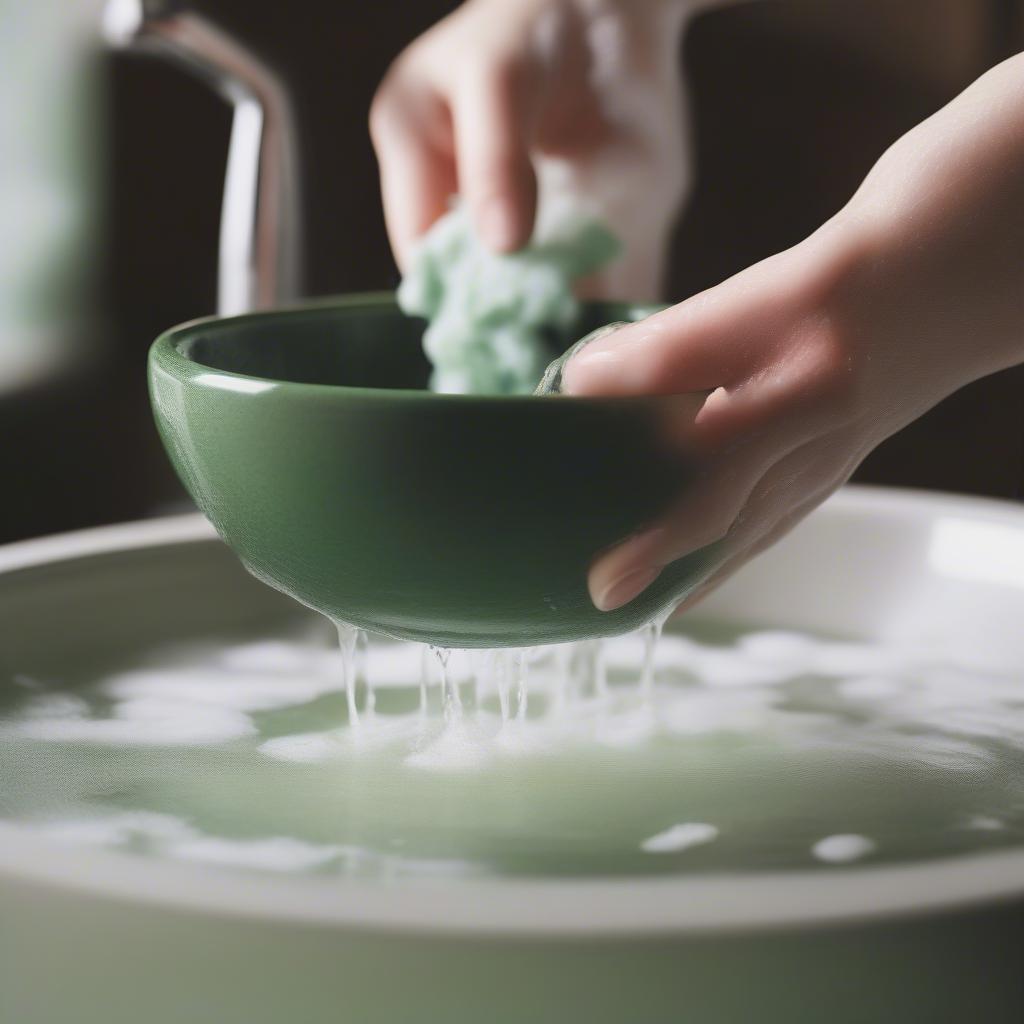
[[680, 837], [843, 849]]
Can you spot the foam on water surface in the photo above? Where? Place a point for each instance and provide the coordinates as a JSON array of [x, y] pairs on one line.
[[842, 849], [680, 837], [706, 751]]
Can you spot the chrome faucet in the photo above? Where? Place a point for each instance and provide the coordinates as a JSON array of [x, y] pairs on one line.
[[258, 262]]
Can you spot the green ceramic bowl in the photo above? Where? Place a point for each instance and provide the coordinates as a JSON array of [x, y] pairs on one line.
[[307, 438]]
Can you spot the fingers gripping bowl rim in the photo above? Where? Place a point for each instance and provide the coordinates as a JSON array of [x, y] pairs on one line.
[[307, 439]]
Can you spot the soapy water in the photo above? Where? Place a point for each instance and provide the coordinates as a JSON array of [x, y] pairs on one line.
[[713, 750]]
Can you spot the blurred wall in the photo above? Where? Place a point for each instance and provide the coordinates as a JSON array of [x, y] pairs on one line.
[[793, 101]]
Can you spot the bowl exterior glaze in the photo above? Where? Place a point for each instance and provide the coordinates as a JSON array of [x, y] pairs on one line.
[[454, 520]]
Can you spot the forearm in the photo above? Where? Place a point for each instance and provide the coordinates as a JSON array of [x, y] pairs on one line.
[[939, 230]]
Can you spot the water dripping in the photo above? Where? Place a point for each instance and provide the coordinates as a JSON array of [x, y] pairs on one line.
[[425, 656], [359, 673], [502, 671], [347, 638], [450, 699], [519, 660], [652, 634], [569, 676]]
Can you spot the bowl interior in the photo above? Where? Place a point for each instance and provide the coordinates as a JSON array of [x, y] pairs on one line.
[[360, 341]]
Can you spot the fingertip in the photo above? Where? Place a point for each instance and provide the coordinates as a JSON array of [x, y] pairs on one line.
[[590, 376], [616, 593], [591, 373], [598, 367], [622, 574]]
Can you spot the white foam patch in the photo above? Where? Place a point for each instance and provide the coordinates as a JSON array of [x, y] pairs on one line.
[[277, 657], [629, 728], [457, 748], [219, 689], [56, 705], [871, 688], [793, 652], [843, 849], [173, 837], [537, 738], [985, 823], [277, 853], [371, 733], [304, 748], [701, 713], [851, 659], [143, 723], [116, 829], [680, 837], [726, 668], [169, 836]]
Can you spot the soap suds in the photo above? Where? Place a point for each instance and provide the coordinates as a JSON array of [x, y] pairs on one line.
[[842, 849], [141, 723], [707, 727], [114, 830], [278, 853], [985, 823], [680, 837]]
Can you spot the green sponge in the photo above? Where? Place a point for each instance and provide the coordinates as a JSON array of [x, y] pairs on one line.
[[493, 317]]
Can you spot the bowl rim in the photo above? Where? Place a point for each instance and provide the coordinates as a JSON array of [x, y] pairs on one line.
[[165, 354], [508, 908]]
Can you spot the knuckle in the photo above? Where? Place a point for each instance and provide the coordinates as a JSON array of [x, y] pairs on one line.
[[494, 72]]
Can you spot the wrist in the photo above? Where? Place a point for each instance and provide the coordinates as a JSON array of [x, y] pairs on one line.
[[911, 335]]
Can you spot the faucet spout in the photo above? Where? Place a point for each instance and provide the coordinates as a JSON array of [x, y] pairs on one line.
[[259, 252]]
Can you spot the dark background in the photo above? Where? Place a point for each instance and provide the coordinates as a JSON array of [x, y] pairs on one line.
[[793, 102]]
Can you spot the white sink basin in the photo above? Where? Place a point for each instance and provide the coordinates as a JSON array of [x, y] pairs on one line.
[[94, 935]]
